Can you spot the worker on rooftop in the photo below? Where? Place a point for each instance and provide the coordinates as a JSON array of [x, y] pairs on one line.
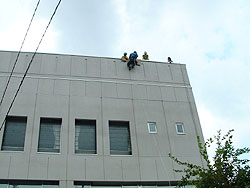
[[170, 60], [132, 60], [145, 56], [125, 57]]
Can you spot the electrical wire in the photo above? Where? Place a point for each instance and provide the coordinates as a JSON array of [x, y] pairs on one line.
[[30, 64], [17, 57]]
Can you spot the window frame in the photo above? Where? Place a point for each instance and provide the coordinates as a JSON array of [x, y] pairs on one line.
[[60, 136], [155, 125], [116, 152], [86, 153], [22, 119], [182, 125]]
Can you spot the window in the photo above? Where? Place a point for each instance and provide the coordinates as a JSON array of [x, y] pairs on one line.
[[14, 133], [152, 127], [49, 136], [119, 137], [85, 136], [28, 184], [180, 128]]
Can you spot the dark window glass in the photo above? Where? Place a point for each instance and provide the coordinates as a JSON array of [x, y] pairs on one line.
[[49, 135], [14, 133], [119, 136], [85, 136]]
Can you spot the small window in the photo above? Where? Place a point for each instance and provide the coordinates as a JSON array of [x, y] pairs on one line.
[[180, 128], [119, 137], [14, 133], [152, 127], [49, 136], [85, 136]]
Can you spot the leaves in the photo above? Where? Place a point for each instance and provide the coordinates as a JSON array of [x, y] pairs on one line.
[[227, 169]]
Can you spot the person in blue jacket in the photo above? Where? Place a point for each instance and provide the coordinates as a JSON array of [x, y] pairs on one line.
[[132, 60]]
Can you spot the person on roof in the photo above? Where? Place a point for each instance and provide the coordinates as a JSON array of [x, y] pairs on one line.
[[145, 56], [132, 60], [170, 60], [125, 57]]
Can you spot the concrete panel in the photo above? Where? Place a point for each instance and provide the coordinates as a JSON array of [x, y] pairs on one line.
[[63, 65], [181, 94], [154, 93], [151, 144], [130, 169], [137, 73], [177, 73], [61, 87], [57, 167], [30, 85], [124, 91], [184, 74], [122, 70], [49, 64], [3, 83], [13, 84], [77, 88], [78, 66], [38, 161], [76, 168], [22, 63], [164, 72], [182, 145], [168, 94], [139, 91], [93, 89], [165, 170], [94, 169], [117, 109], [19, 166], [109, 90], [52, 106], [46, 86], [108, 68], [4, 163], [151, 71], [148, 169], [93, 67], [113, 168], [35, 66], [5, 58]]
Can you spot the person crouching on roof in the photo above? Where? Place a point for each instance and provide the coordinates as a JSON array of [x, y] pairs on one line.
[[132, 60], [125, 57], [145, 56]]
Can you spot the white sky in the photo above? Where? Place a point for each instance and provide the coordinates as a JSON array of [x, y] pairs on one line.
[[210, 37]]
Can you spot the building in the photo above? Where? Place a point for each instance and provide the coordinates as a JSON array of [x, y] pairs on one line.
[[83, 121]]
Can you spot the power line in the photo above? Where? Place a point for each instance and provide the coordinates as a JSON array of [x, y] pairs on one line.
[[19, 87], [18, 54]]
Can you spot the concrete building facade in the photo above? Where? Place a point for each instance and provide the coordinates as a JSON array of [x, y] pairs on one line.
[[111, 126]]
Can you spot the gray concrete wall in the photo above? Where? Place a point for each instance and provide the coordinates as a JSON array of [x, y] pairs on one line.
[[78, 87]]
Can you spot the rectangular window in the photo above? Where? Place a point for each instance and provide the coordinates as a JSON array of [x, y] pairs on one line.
[[49, 135], [152, 127], [28, 184], [179, 128], [119, 136], [85, 136], [14, 133]]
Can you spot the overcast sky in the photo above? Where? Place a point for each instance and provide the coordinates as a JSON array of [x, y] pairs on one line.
[[211, 37]]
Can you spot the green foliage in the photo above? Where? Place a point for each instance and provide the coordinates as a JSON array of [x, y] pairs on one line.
[[226, 170]]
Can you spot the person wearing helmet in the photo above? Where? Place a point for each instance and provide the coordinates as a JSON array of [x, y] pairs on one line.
[[145, 56], [132, 60], [125, 57]]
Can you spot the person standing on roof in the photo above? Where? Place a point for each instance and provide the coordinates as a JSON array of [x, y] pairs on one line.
[[132, 60], [170, 60], [145, 56], [125, 57]]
